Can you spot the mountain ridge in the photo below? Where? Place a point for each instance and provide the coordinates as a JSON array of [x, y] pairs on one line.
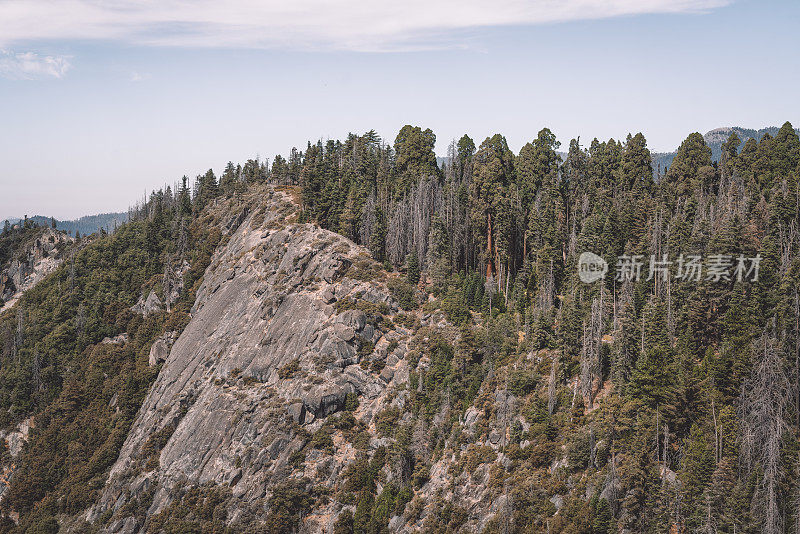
[[357, 344], [87, 224], [714, 139]]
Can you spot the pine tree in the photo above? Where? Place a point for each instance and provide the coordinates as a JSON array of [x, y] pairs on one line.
[[377, 241], [603, 522], [636, 169], [466, 149], [227, 181], [185, 197], [438, 254], [412, 267], [363, 515], [684, 174]]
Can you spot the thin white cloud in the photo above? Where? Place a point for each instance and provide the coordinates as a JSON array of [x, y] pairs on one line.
[[140, 76], [362, 25], [31, 66]]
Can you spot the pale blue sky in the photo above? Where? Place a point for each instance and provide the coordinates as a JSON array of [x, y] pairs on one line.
[[99, 105]]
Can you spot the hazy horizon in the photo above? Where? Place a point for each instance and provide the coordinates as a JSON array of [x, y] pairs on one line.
[[102, 104], [218, 169]]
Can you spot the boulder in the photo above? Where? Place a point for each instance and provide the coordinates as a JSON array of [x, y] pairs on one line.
[[297, 412], [356, 319], [387, 374], [328, 296], [344, 332], [158, 352], [116, 340]]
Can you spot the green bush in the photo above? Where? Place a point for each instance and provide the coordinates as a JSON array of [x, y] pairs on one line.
[[521, 382], [344, 523], [289, 500], [386, 421], [403, 292], [297, 459], [455, 306], [47, 525], [351, 401], [579, 452], [322, 440], [289, 370]]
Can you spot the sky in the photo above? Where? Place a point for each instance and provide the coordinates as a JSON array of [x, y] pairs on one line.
[[102, 102]]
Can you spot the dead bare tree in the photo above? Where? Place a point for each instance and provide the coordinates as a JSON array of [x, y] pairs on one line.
[[763, 409], [410, 223], [590, 352], [546, 293], [19, 337], [551, 387], [167, 281], [622, 353], [368, 220], [796, 503], [36, 368]]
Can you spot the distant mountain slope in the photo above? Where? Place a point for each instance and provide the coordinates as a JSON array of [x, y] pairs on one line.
[[87, 224], [714, 139]]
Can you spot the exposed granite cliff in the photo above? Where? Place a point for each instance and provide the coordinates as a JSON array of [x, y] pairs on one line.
[[265, 353], [295, 360]]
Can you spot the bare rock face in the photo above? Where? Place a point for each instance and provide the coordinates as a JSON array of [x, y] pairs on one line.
[[15, 440], [116, 340], [271, 348], [147, 306], [42, 257]]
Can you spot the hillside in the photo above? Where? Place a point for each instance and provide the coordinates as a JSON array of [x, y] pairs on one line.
[[355, 340]]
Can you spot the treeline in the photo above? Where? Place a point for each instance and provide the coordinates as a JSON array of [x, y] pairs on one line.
[[711, 366], [644, 382], [86, 225], [677, 397]]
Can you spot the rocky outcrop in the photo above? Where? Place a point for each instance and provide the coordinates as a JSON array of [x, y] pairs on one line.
[[294, 362], [147, 306], [14, 440], [160, 348], [274, 344], [116, 340], [39, 258]]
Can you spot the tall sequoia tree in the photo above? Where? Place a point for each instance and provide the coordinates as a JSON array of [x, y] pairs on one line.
[[493, 170], [536, 166], [415, 157]]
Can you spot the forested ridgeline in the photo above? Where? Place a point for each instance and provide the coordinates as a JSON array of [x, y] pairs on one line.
[[696, 378], [675, 397], [649, 404]]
